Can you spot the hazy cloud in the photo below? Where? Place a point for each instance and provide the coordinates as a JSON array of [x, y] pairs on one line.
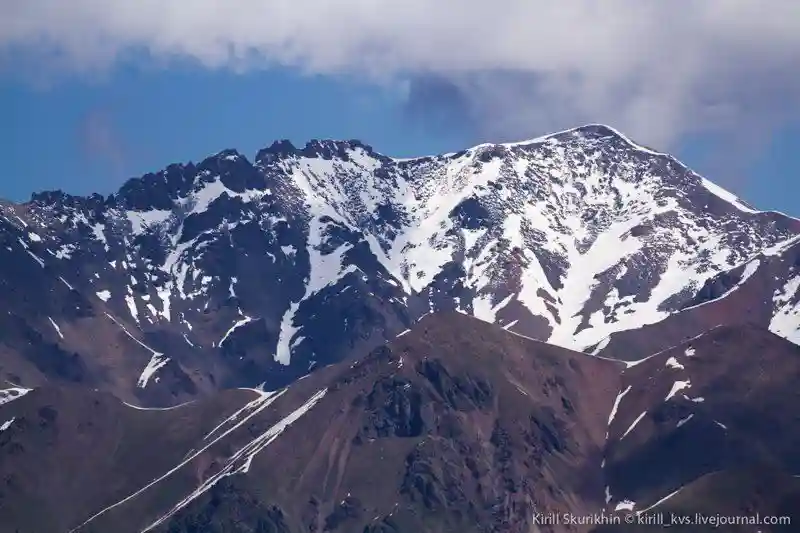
[[656, 69], [101, 142]]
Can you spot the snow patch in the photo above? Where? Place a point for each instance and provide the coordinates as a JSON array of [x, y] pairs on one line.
[[617, 401], [14, 393], [726, 195], [677, 387], [786, 319], [632, 426], [55, 326], [36, 258], [237, 325], [157, 361], [104, 295], [142, 221], [138, 408], [673, 363], [98, 231], [601, 345], [625, 505], [132, 308], [659, 502], [7, 424]]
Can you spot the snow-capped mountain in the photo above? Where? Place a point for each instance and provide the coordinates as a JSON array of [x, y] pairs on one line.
[[233, 273]]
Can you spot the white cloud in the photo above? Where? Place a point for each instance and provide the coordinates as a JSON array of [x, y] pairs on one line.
[[657, 69]]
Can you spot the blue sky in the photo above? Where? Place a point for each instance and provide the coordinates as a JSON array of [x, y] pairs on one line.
[[94, 93], [89, 135]]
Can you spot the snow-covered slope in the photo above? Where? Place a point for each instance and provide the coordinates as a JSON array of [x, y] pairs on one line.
[[770, 283], [566, 238], [309, 253]]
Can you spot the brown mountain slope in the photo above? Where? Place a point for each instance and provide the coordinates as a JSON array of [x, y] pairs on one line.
[[66, 451], [725, 399], [454, 426]]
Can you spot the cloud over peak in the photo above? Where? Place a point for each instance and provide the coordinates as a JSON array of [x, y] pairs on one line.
[[658, 70]]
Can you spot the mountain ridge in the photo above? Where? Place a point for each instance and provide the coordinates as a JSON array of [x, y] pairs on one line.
[[285, 147], [228, 272]]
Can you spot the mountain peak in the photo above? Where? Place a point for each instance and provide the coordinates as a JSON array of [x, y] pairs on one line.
[[326, 149], [329, 148], [59, 198], [592, 132], [277, 150]]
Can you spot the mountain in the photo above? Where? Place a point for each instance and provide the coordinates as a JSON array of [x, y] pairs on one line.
[[723, 400], [453, 426], [327, 339], [232, 273], [466, 426]]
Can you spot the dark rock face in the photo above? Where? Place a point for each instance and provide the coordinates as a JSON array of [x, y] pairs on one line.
[[471, 215], [393, 409], [229, 508], [716, 287], [460, 393]]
